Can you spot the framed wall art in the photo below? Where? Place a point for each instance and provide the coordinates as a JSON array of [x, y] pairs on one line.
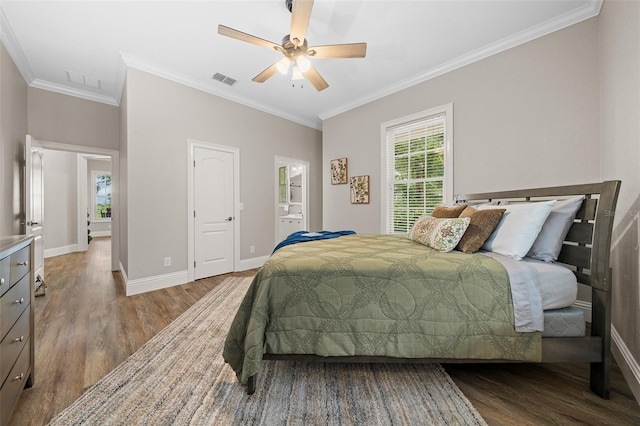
[[359, 190], [339, 171]]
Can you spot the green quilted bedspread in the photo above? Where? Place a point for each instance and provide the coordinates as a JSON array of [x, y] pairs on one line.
[[378, 295]]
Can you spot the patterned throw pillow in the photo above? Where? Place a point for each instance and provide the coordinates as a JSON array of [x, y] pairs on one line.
[[448, 212], [440, 234]]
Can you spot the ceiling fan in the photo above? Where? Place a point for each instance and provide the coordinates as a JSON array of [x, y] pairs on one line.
[[295, 49]]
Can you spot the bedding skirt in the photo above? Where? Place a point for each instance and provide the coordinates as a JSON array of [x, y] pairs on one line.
[[376, 295]]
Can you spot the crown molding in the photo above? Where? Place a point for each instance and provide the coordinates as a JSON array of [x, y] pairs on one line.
[[142, 65], [575, 16], [13, 47], [64, 90]]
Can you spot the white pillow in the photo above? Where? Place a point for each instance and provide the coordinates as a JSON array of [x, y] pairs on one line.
[[548, 244], [518, 228]]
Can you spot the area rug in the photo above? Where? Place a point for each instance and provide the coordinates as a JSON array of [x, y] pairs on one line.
[[179, 378]]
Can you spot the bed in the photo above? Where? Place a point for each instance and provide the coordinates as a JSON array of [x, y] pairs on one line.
[[386, 298]]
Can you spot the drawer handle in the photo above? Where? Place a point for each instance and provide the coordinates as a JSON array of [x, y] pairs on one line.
[[25, 263], [20, 377], [18, 339], [19, 301]]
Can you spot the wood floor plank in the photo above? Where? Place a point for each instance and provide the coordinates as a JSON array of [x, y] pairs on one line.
[[86, 326]]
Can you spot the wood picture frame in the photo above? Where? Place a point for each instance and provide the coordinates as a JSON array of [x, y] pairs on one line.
[[339, 171], [359, 189]]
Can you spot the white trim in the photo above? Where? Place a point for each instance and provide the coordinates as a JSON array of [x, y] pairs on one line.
[[100, 233], [570, 18], [584, 307], [157, 282], [13, 48], [627, 363], [78, 93], [81, 197], [191, 144], [146, 66], [59, 251], [115, 191], [447, 110], [123, 274], [253, 263]]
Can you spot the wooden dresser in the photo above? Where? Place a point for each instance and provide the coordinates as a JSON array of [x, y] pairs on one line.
[[16, 321]]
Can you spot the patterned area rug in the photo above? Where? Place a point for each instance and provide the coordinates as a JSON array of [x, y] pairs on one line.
[[179, 377]]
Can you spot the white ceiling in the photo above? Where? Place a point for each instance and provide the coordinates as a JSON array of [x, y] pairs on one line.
[[407, 42]]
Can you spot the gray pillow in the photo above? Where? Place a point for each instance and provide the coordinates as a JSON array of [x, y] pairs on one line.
[[548, 244]]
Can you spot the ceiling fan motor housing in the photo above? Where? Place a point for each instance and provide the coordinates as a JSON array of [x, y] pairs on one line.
[[292, 51]]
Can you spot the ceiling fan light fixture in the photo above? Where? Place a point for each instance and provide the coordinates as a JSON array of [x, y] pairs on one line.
[[296, 74], [283, 65], [303, 63]]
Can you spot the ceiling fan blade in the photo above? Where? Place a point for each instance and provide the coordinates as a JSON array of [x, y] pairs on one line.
[[266, 74], [300, 15], [316, 79], [239, 35], [351, 50]]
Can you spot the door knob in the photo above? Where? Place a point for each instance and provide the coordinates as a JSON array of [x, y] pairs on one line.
[[32, 223], [229, 219]]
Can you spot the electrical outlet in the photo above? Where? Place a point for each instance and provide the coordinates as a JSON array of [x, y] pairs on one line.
[[167, 261], [252, 249]]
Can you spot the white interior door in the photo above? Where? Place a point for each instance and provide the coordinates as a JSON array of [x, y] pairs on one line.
[[34, 200], [213, 212]]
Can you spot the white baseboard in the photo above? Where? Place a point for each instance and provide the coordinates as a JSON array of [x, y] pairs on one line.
[[59, 251], [123, 274], [254, 262], [100, 233], [156, 282], [627, 363], [585, 307]]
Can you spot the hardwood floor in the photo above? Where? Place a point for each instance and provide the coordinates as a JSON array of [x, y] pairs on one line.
[[86, 326]]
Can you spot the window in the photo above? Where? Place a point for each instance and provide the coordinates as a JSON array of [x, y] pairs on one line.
[[101, 195], [417, 167]]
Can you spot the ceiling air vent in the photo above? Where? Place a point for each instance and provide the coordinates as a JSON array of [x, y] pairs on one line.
[[224, 79], [84, 80]]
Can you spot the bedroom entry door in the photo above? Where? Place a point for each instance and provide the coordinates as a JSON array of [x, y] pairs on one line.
[[213, 180]]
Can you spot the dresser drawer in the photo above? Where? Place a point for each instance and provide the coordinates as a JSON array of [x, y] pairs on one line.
[[14, 384], [5, 274], [13, 303], [20, 265], [13, 343]]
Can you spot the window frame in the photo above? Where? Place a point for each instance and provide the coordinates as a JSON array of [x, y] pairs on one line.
[[387, 188], [94, 195]]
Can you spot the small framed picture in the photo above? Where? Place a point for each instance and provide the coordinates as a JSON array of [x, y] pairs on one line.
[[359, 190], [339, 171]]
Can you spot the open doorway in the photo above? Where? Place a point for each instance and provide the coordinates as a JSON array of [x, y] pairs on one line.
[[75, 208], [292, 196]]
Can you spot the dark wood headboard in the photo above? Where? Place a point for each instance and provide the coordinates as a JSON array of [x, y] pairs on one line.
[[587, 247]]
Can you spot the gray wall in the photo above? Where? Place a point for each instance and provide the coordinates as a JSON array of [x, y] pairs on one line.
[[66, 119], [13, 128], [60, 199], [619, 25], [161, 117], [520, 117]]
